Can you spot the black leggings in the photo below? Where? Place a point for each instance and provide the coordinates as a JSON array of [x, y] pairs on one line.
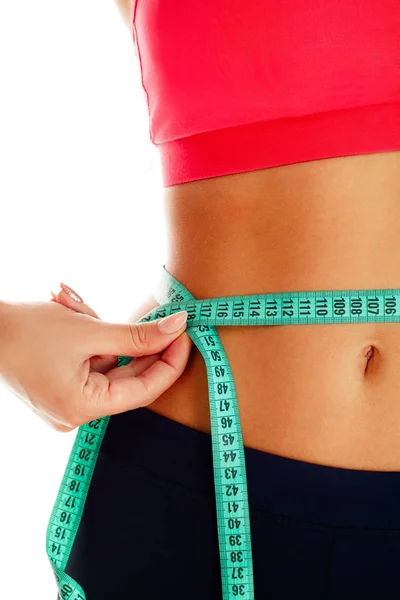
[[149, 529]]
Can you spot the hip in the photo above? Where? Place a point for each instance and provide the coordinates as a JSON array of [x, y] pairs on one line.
[[149, 523]]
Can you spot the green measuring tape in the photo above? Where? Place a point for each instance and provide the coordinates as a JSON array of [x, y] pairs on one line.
[[286, 308]]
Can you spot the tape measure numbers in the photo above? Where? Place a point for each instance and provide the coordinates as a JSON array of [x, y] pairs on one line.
[[286, 308]]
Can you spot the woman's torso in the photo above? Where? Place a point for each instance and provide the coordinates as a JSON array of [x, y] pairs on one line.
[[303, 391]]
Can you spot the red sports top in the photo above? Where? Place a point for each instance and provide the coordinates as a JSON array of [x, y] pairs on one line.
[[241, 85]]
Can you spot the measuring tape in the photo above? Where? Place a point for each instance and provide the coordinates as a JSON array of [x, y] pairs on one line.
[[286, 308]]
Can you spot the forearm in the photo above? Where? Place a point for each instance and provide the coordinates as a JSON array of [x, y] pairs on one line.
[[6, 309]]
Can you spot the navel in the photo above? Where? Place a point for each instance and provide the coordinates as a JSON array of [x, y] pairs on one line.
[[370, 354]]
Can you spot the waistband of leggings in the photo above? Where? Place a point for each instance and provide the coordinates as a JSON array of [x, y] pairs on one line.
[[279, 486]]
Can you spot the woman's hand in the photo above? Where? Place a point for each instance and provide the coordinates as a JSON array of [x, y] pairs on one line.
[[60, 359], [99, 363]]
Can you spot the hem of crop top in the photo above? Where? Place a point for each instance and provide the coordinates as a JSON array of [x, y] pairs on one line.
[[360, 130]]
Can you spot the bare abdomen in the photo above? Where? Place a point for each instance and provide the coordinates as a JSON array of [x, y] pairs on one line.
[[327, 394]]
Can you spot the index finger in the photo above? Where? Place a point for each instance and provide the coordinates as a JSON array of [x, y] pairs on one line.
[[103, 397]]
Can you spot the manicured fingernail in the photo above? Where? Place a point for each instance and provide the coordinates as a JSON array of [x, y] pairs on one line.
[[173, 323], [71, 292]]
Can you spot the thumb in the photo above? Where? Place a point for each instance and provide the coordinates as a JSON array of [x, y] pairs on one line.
[[135, 339]]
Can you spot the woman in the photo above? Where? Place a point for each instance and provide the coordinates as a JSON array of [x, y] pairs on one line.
[[279, 133]]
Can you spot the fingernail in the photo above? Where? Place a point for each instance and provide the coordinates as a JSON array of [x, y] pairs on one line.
[[71, 292], [173, 323]]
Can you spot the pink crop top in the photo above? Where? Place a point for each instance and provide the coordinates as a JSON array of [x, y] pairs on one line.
[[234, 85]]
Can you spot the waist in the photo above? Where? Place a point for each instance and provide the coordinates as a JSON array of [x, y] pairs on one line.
[[326, 394]]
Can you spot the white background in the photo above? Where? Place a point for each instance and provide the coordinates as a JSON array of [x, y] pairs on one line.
[[80, 202]]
